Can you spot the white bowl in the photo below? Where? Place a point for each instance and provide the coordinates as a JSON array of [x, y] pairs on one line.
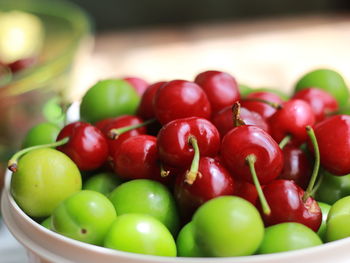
[[45, 246]]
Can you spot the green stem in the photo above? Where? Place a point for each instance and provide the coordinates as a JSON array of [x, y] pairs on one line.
[[115, 133], [192, 174], [12, 163], [251, 159], [313, 139], [270, 103], [317, 184], [285, 141]]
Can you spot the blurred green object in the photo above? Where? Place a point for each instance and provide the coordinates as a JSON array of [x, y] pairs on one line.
[[67, 34]]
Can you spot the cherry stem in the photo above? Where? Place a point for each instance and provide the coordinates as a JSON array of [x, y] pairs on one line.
[[317, 184], [163, 172], [12, 163], [251, 159], [236, 115], [192, 174], [115, 133], [285, 141], [270, 103], [313, 139]]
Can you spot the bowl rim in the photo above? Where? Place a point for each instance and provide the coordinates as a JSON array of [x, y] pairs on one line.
[[141, 257], [82, 26]]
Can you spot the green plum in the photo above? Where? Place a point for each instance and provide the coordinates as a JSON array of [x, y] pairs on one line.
[[332, 188], [109, 98], [85, 216], [186, 244], [244, 90], [288, 236], [140, 233], [42, 133], [103, 183], [325, 210], [228, 226], [145, 196], [44, 178], [328, 80], [338, 226], [47, 223]]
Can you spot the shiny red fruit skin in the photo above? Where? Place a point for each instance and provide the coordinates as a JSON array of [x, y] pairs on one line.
[[292, 120], [220, 87], [214, 180], [285, 200], [114, 123], [244, 140], [138, 84], [87, 146], [180, 99], [296, 166], [320, 101], [333, 137], [247, 191], [145, 109], [265, 110], [137, 158], [173, 145], [223, 120]]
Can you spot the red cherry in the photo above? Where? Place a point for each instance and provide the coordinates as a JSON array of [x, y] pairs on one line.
[[265, 110], [139, 84], [137, 158], [180, 99], [114, 123], [246, 140], [320, 101], [292, 120], [285, 199], [87, 146], [246, 190], [145, 109], [21, 64], [220, 87], [173, 140], [223, 120], [296, 166], [212, 181], [333, 136]]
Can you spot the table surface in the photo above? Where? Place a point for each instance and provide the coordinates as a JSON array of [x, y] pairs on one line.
[[10, 250]]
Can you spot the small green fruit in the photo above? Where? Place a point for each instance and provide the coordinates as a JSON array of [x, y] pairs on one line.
[[108, 98], [288, 236], [85, 216], [44, 178], [139, 233]]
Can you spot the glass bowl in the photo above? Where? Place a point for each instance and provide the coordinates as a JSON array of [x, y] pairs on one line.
[[67, 37]]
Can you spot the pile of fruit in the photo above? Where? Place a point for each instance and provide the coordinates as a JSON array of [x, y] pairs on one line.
[[207, 168]]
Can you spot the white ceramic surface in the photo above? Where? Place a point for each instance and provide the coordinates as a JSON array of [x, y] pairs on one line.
[[46, 246]]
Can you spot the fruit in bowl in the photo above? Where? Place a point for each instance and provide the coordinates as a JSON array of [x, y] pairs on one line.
[[172, 185]]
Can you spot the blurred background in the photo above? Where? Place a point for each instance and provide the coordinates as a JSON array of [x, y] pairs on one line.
[[131, 14]]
